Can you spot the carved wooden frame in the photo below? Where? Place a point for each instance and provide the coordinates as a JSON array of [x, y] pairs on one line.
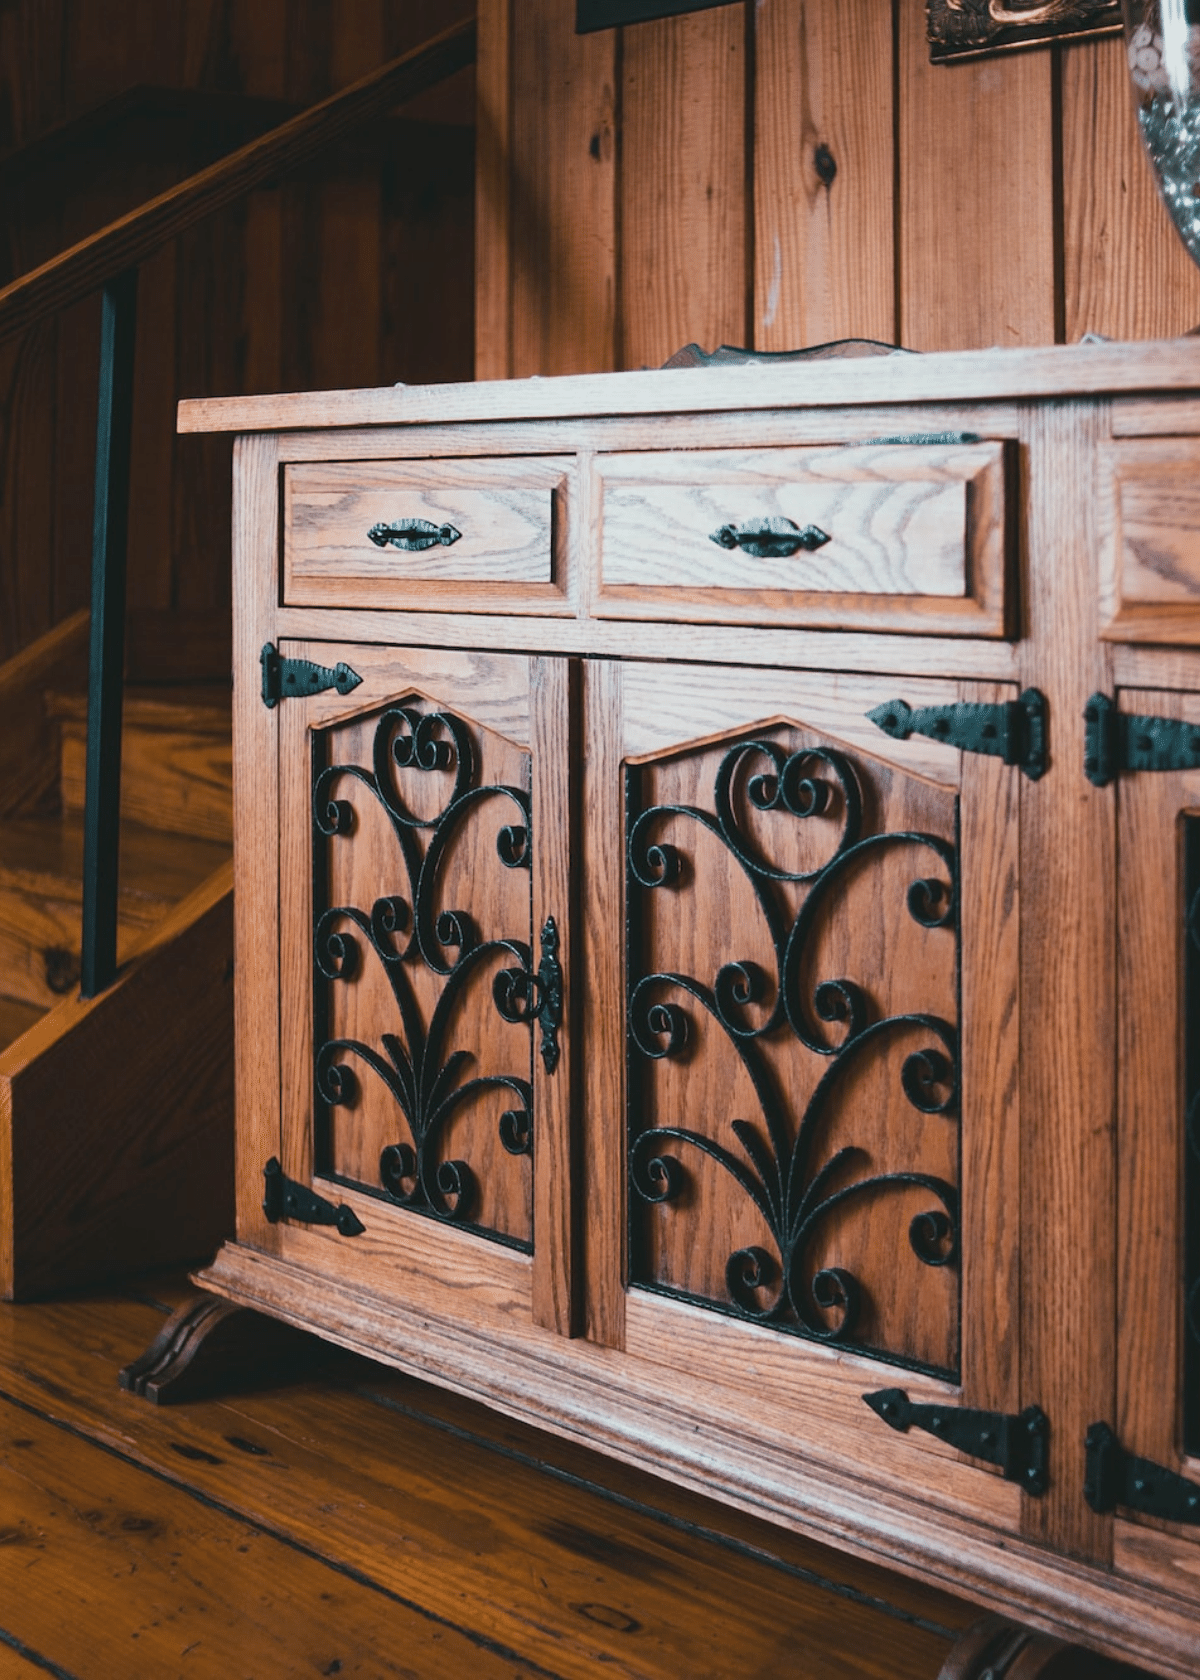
[[972, 28]]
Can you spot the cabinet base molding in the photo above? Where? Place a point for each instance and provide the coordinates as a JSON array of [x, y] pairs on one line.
[[608, 1401], [211, 1346]]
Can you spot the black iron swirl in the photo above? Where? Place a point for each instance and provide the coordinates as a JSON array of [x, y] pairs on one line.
[[781, 1173], [417, 1066]]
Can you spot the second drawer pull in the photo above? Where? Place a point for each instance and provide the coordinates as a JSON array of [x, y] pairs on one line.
[[413, 535], [775, 538]]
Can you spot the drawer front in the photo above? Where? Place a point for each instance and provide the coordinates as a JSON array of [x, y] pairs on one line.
[[1151, 581], [425, 534], [884, 537]]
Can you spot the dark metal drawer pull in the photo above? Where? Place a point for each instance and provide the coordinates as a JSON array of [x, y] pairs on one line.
[[413, 534], [770, 539]]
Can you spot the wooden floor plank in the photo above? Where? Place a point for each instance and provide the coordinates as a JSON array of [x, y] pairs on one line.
[[18, 1664], [115, 1572], [570, 1575]]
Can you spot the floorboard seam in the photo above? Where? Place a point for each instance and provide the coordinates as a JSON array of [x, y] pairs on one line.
[[726, 1542], [526, 1664], [34, 1657]]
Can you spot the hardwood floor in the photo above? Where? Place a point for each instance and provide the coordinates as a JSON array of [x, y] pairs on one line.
[[358, 1523]]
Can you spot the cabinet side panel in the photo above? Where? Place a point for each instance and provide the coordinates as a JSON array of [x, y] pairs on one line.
[[256, 830]]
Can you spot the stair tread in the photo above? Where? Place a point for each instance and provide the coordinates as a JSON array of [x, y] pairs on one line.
[[205, 709], [44, 855], [16, 1018]]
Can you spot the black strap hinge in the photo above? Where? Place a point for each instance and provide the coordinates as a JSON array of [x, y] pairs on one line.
[[1014, 730], [1115, 1477], [1114, 741], [283, 1198], [1017, 1443], [286, 679]]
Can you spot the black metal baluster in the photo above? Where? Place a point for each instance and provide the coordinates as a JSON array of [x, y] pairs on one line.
[[110, 528]]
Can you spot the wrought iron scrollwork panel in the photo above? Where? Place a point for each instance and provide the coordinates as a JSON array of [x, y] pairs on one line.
[[788, 1162], [442, 1073]]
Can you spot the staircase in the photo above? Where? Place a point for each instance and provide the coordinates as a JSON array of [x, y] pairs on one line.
[[116, 1113], [116, 1107]]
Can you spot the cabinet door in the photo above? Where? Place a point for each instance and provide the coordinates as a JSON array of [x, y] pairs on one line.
[[811, 1158], [425, 942], [1158, 1278]]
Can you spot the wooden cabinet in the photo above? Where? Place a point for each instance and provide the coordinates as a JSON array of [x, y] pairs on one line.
[[752, 1026]]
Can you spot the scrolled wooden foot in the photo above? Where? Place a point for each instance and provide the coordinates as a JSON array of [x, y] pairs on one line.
[[997, 1649], [210, 1346]]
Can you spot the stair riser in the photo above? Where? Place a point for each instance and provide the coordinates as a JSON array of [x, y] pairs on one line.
[[176, 781]]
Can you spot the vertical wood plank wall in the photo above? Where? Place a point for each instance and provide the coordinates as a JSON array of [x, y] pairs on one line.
[[785, 172], [357, 272]]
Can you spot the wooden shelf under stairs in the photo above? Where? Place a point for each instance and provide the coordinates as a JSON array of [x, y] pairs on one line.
[[115, 1113]]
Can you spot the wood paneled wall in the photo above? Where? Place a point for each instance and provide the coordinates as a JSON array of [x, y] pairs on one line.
[[359, 273], [784, 172]]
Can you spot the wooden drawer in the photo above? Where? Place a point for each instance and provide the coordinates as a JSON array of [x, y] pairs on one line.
[[1150, 580], [904, 537], [462, 533]]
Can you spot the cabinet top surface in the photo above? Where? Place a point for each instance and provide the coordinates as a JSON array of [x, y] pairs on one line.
[[1050, 371]]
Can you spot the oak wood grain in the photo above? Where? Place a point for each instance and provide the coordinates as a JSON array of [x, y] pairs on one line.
[[1068, 957], [503, 513], [255, 830], [1150, 576], [1038, 370], [921, 529]]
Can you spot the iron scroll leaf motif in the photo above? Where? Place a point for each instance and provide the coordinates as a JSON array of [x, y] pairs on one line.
[[291, 679], [1017, 1443], [1014, 730], [775, 538], [1115, 1477], [402, 931], [284, 1198], [778, 1166], [414, 535]]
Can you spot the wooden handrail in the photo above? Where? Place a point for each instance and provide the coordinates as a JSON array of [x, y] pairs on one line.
[[85, 267]]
